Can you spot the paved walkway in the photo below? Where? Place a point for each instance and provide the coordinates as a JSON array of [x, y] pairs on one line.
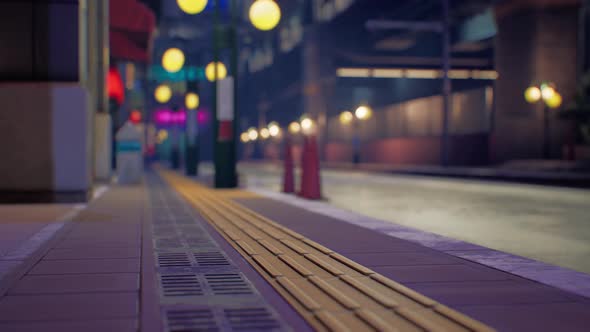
[[502, 300], [140, 258]]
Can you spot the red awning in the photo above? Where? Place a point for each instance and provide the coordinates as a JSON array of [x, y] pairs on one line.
[[131, 30]]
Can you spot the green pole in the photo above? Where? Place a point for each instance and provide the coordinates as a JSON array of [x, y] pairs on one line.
[[225, 147]]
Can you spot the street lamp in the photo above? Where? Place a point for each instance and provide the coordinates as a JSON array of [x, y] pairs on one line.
[[551, 100], [210, 71], [192, 7], [163, 93], [294, 128], [173, 60], [191, 100], [361, 113], [273, 129], [245, 138], [265, 14], [252, 134], [264, 133]]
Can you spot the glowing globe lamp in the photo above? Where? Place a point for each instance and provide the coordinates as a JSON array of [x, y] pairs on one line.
[[264, 133], [532, 94], [346, 117], [555, 101], [294, 127], [173, 60], [363, 112], [252, 134], [547, 92], [191, 100], [265, 14], [192, 7], [273, 129], [210, 71], [163, 93], [244, 137]]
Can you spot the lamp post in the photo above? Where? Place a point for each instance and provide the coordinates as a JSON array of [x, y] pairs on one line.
[[264, 15], [551, 100], [362, 113], [192, 131]]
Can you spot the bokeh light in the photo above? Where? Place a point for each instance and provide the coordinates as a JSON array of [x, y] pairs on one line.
[[163, 93], [532, 94], [265, 14], [173, 60], [346, 117], [363, 112], [192, 7], [191, 100], [210, 71], [252, 134], [294, 127]]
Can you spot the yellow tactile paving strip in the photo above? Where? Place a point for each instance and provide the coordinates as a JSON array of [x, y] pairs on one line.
[[330, 291]]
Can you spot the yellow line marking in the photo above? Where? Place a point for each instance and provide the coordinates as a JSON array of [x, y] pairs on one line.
[[296, 266], [267, 266], [324, 265], [374, 320], [352, 264], [309, 303], [294, 247], [246, 248], [331, 322], [274, 250], [383, 300], [344, 300]]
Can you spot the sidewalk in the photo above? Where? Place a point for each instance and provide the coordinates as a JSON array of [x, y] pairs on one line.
[[143, 258]]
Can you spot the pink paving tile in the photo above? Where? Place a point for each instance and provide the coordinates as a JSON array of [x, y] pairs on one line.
[[18, 308], [76, 283], [439, 273], [570, 317], [97, 243], [403, 258], [86, 266], [92, 253], [119, 325]]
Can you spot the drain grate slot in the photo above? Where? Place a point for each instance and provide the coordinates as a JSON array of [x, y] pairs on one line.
[[173, 259], [211, 259], [195, 320], [167, 243], [228, 284], [251, 319], [181, 285]]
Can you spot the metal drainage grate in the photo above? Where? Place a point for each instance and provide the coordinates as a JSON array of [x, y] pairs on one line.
[[213, 258], [195, 320], [173, 259], [168, 243], [181, 285], [198, 242], [251, 319], [228, 284]]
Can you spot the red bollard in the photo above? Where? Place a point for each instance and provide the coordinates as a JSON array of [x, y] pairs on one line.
[[288, 177], [303, 165], [310, 175]]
